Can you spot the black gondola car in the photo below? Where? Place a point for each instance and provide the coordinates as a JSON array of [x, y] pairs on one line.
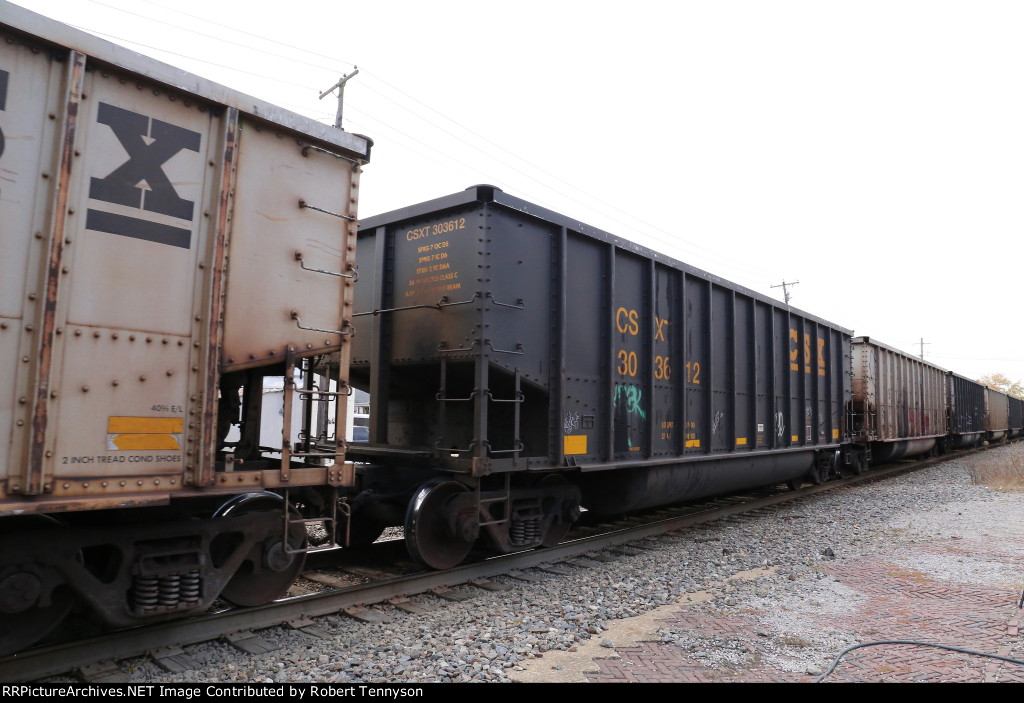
[[965, 405], [1016, 423], [527, 356]]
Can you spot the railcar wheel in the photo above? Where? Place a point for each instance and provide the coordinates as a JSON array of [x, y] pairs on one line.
[[27, 613], [795, 485], [258, 583], [23, 621], [432, 535], [816, 476]]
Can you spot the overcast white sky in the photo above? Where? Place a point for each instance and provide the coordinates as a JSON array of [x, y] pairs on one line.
[[872, 151]]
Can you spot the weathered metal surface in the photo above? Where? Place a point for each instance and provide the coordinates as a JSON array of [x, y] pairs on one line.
[[269, 227], [151, 218], [898, 406], [45, 322], [997, 414], [208, 347]]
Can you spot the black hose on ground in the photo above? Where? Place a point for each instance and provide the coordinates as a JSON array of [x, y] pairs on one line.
[[846, 651]]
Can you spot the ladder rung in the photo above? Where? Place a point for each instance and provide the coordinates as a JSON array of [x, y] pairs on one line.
[[321, 394]]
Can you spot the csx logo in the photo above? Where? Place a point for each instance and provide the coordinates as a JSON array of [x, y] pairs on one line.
[[628, 321], [794, 352], [140, 182]]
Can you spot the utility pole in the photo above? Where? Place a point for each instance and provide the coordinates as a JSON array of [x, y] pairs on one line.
[[340, 85], [785, 289], [922, 346]]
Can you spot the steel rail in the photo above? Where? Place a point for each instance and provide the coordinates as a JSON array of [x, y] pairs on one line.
[[78, 656]]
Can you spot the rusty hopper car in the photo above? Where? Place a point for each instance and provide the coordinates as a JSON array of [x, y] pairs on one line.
[[167, 243], [965, 409], [521, 365], [997, 415], [898, 406]]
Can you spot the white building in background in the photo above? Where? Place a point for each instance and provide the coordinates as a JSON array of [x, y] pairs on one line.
[[358, 428], [272, 416]]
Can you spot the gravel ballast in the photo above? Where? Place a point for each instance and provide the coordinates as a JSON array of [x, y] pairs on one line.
[[773, 564]]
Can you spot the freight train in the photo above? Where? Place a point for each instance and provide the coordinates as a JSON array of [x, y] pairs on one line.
[[172, 247]]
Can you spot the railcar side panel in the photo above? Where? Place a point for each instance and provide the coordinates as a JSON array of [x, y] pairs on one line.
[[587, 336], [1016, 416], [568, 349], [291, 266], [696, 331], [997, 414], [32, 87], [670, 367], [965, 408], [126, 305], [631, 397]]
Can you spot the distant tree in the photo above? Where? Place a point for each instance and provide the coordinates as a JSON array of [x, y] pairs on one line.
[[1003, 383]]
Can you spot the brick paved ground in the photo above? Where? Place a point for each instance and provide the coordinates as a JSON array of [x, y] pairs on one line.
[[899, 602]]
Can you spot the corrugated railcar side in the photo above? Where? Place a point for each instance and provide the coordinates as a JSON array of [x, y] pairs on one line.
[[1016, 417], [965, 408], [997, 415], [898, 406]]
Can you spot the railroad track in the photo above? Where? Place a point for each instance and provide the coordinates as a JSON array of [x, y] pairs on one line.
[[350, 581]]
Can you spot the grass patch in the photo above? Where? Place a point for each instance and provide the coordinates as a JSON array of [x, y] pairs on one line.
[[1000, 470]]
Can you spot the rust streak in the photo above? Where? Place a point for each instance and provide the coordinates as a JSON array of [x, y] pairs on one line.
[[204, 474], [35, 467]]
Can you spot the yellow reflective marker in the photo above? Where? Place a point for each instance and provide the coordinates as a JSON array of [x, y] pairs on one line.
[[124, 442], [145, 425], [574, 444], [144, 433]]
